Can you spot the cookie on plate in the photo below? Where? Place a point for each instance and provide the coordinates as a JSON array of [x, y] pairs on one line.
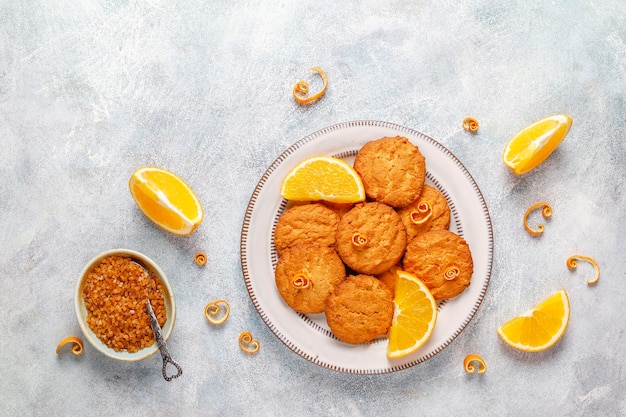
[[360, 309], [392, 170], [429, 212], [339, 208], [389, 277], [442, 260], [307, 274], [371, 238], [308, 223]]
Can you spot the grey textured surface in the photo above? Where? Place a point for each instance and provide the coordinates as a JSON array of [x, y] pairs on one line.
[[89, 91]]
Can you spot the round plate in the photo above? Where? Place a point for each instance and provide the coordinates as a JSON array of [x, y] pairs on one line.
[[309, 335]]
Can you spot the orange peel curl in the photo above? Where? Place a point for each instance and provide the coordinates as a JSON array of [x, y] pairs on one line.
[[77, 345], [200, 258], [301, 89], [572, 263], [421, 214], [546, 212], [214, 314], [248, 344], [451, 273], [301, 281], [358, 240], [470, 124], [470, 368]]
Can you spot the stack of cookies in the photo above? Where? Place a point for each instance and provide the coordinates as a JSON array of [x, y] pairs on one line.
[[342, 259]]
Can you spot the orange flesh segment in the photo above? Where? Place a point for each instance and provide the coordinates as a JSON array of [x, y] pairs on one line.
[[533, 144]]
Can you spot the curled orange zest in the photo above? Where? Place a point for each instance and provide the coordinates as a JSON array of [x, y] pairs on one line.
[[358, 240], [77, 347], [421, 214], [248, 344], [302, 88], [451, 273], [469, 365], [546, 212], [572, 263], [213, 311], [301, 281], [200, 258], [471, 124]]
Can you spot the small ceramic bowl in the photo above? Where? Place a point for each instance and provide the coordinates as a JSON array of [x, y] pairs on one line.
[[81, 310]]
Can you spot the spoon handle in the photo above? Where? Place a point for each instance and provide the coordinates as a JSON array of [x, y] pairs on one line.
[[165, 353]]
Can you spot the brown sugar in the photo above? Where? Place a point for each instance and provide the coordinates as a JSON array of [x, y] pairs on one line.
[[115, 294]]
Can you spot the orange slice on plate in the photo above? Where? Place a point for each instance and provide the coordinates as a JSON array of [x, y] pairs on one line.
[[533, 144], [539, 328], [414, 318], [323, 178], [166, 199]]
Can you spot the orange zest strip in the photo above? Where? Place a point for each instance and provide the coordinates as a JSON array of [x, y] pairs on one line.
[[77, 345], [200, 258], [451, 273], [572, 263], [468, 364], [470, 124], [301, 281], [248, 344], [301, 89], [213, 311], [421, 214], [358, 240], [546, 212]]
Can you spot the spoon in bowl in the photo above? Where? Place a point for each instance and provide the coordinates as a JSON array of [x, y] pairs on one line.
[[158, 334]]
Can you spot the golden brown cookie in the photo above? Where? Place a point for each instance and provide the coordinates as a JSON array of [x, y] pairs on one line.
[[339, 208], [371, 238], [307, 274], [442, 260], [392, 170], [308, 223], [389, 277], [360, 309], [429, 212]]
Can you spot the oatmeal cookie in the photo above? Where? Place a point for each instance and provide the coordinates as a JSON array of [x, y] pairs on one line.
[[389, 277], [307, 274], [429, 212], [360, 309], [392, 170], [442, 260], [308, 223], [371, 238]]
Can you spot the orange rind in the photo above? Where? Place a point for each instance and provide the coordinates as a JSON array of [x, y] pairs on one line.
[[301, 89], [546, 212], [77, 345], [217, 312], [470, 124], [572, 263], [248, 344], [470, 367]]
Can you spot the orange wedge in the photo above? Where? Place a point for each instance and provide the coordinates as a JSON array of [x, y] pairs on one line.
[[166, 199], [414, 316], [539, 328], [533, 144], [323, 178]]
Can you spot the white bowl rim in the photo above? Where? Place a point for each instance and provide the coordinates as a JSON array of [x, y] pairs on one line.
[[81, 311]]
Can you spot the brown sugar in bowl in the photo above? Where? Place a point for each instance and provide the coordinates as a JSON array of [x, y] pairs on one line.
[[167, 317]]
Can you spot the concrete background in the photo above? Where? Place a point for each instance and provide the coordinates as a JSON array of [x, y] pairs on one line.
[[90, 91]]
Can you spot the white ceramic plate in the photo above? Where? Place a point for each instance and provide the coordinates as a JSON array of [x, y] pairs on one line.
[[309, 335]]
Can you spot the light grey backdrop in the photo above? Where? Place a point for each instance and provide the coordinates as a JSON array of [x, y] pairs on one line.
[[89, 91]]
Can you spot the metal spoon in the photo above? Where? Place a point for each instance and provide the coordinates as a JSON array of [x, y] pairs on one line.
[[158, 334]]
